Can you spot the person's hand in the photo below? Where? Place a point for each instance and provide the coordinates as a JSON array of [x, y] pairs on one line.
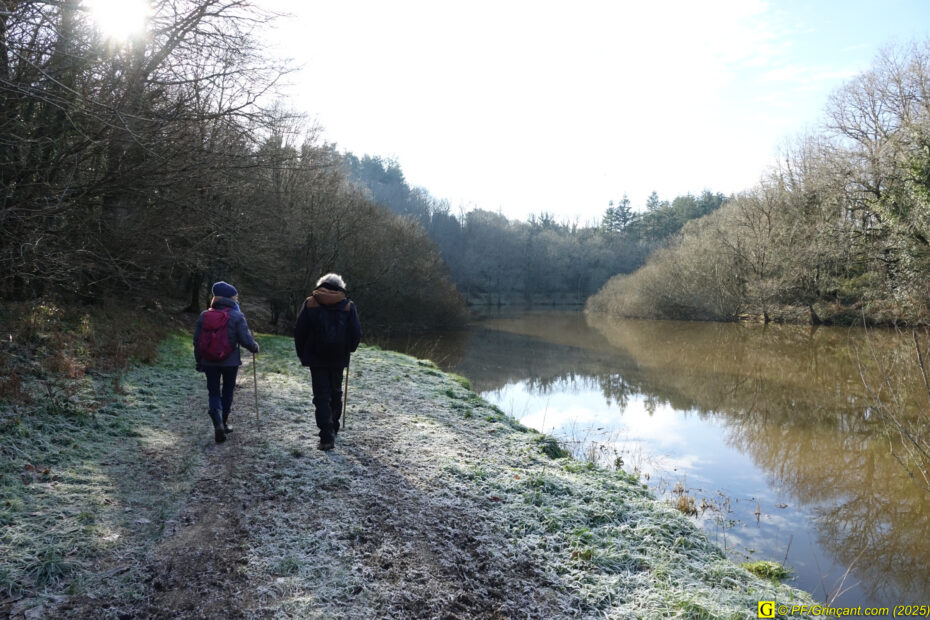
[[256, 349], [200, 367]]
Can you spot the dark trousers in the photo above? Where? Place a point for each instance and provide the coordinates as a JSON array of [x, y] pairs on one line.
[[327, 398], [221, 400]]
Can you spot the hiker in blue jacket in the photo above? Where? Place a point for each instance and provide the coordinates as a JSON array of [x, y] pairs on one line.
[[327, 331], [216, 350]]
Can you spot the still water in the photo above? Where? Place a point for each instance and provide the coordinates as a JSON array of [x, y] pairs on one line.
[[769, 430]]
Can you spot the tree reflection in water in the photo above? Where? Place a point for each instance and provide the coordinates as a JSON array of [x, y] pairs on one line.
[[788, 397], [793, 399]]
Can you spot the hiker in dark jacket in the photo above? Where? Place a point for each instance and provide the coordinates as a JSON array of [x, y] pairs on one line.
[[325, 313], [225, 299]]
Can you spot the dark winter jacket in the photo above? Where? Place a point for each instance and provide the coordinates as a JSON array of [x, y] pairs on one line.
[[238, 333], [309, 325]]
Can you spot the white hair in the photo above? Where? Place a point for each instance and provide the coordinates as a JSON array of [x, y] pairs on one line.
[[331, 278]]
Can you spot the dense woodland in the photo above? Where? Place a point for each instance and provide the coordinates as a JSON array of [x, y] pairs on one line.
[[838, 231], [542, 261], [148, 169]]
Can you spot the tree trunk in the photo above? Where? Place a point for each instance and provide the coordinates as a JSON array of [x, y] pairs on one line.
[[815, 320], [193, 288], [4, 53]]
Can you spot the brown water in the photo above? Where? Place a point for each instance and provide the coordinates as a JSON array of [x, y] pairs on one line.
[[770, 430]]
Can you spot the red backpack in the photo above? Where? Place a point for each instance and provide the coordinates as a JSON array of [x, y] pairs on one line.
[[213, 344]]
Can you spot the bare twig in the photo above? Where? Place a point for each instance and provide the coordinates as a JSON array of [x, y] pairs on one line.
[[892, 408]]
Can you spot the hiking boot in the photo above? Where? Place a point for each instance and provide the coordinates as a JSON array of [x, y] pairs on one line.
[[226, 427], [326, 445], [218, 433]]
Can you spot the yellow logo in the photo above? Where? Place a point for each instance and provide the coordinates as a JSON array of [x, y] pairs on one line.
[[766, 609]]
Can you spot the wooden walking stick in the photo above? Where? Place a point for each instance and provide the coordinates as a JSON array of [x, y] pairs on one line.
[[345, 396], [258, 420]]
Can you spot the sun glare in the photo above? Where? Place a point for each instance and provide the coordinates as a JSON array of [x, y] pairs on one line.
[[119, 19]]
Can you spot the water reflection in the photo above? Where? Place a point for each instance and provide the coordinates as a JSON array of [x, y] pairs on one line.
[[794, 401], [777, 418]]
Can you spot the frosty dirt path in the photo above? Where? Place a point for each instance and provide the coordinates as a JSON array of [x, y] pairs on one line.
[[356, 532], [432, 505]]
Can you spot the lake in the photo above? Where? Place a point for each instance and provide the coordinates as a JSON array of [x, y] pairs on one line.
[[768, 432]]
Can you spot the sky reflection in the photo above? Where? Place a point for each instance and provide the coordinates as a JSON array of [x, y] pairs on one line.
[[669, 446]]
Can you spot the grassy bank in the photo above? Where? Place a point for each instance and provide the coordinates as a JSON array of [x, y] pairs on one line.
[[91, 471], [433, 502]]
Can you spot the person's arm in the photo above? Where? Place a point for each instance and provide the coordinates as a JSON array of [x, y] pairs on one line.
[[301, 329], [245, 336]]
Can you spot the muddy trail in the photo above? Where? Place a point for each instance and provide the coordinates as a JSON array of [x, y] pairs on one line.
[[434, 504]]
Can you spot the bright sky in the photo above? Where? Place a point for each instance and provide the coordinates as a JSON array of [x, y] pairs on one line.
[[532, 106]]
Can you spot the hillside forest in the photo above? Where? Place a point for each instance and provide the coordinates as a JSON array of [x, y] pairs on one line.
[[838, 231], [542, 261]]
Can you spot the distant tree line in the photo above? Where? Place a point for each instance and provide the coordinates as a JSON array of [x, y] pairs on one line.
[[155, 166], [838, 230], [493, 259]]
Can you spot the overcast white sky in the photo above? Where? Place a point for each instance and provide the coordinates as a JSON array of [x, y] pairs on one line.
[[532, 106]]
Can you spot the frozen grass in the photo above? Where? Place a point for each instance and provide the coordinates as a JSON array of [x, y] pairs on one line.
[[87, 482], [432, 493], [433, 504]]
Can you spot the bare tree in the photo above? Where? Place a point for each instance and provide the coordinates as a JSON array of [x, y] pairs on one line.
[[107, 152]]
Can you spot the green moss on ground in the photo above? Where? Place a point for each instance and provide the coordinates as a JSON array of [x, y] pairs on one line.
[[767, 570]]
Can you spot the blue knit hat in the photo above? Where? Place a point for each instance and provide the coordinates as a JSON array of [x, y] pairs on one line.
[[224, 289]]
